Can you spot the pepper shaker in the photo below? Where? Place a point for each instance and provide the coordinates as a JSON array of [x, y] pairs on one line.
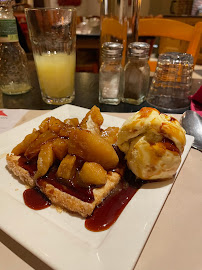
[[111, 73], [136, 73]]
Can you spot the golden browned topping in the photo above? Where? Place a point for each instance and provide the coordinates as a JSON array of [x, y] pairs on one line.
[[45, 159], [69, 140], [73, 122], [51, 123], [67, 167], [93, 120], [60, 148], [93, 173], [34, 147], [21, 147], [153, 143], [110, 134], [146, 111], [92, 147]]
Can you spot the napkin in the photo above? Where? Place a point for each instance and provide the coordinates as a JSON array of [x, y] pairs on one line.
[[196, 101], [10, 117]]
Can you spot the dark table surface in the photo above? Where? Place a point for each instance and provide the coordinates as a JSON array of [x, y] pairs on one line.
[[86, 86]]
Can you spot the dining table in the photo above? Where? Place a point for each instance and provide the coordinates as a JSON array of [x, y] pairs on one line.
[[86, 94], [175, 241]]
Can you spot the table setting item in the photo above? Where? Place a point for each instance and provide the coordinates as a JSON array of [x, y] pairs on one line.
[[133, 20], [171, 84], [14, 72], [114, 23], [89, 26], [10, 117], [111, 73], [192, 123], [191, 120], [67, 231], [136, 73], [53, 37]]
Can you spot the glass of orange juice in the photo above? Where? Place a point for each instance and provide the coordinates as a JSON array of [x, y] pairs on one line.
[[52, 33]]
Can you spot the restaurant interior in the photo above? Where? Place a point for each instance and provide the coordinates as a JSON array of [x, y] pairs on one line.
[[160, 227], [88, 26]]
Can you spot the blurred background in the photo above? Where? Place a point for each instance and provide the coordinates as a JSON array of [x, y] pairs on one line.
[[88, 25]]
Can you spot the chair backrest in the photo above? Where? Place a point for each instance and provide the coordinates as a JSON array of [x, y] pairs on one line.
[[160, 27], [113, 30]]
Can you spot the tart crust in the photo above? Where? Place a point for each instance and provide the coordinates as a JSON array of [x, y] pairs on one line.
[[62, 199]]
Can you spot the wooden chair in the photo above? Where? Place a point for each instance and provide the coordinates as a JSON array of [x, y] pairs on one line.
[[114, 30], [87, 49], [160, 27]]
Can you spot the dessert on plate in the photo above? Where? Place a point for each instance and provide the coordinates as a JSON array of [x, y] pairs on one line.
[[70, 162], [153, 143], [76, 165]]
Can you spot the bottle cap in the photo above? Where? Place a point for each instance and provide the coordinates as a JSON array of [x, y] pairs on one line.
[[112, 49], [140, 49]]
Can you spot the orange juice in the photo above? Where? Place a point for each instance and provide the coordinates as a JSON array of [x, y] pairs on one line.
[[56, 74]]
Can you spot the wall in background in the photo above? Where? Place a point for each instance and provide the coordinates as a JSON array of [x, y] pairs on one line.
[[159, 7], [145, 7], [92, 7], [87, 7], [30, 2]]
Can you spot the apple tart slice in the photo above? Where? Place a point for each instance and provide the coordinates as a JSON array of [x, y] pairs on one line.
[[71, 162]]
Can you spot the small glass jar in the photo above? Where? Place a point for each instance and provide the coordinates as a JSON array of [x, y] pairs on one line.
[[136, 73], [14, 75], [111, 73]]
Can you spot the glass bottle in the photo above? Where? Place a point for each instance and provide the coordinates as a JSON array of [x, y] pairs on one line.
[[114, 23], [14, 78], [136, 73], [110, 73], [133, 20]]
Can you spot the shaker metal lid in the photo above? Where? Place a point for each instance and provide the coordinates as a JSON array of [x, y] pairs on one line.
[[113, 49], [138, 49]]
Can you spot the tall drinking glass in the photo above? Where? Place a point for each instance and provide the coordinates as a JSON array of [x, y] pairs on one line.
[[52, 33], [171, 84], [133, 20], [113, 14]]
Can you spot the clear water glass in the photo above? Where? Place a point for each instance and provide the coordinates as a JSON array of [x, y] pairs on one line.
[[53, 37], [171, 84]]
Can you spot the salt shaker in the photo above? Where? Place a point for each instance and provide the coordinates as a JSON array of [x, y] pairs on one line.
[[136, 73], [111, 73]]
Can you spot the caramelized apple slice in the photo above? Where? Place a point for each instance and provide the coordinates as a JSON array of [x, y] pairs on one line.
[[92, 148], [44, 126], [60, 148], [45, 160], [55, 124], [34, 148], [110, 134], [21, 147], [72, 122], [65, 131], [51, 123], [67, 167], [93, 173], [93, 120]]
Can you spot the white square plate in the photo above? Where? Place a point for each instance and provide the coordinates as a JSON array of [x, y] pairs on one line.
[[60, 239]]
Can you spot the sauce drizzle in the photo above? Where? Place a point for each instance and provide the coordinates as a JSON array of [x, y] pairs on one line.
[[106, 214], [170, 145], [35, 199]]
